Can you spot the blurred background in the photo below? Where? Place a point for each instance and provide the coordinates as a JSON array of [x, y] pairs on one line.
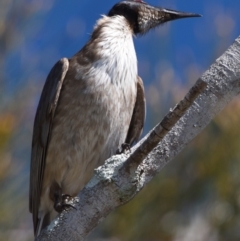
[[197, 196]]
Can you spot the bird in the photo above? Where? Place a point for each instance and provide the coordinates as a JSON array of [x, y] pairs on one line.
[[90, 105]]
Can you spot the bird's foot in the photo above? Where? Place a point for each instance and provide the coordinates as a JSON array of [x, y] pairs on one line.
[[125, 148], [63, 202]]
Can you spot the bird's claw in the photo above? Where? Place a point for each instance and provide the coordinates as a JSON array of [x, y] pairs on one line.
[[125, 148], [63, 203]]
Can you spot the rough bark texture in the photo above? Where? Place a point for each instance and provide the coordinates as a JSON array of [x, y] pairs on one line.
[[116, 182]]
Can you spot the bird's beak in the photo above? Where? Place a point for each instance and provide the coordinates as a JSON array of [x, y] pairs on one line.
[[168, 15], [150, 17]]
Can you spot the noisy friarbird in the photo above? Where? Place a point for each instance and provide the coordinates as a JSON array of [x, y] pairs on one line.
[[90, 105]]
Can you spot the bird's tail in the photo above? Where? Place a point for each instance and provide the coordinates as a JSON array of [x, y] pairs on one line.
[[43, 221]]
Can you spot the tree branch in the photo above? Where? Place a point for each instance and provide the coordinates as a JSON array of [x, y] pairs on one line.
[[160, 130], [123, 176]]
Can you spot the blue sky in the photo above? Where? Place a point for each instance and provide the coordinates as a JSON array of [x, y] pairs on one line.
[[60, 28]]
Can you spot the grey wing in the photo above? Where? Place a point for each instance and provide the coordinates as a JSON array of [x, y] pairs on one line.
[[42, 131], [138, 117]]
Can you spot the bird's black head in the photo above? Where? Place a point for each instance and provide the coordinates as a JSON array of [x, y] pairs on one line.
[[142, 17]]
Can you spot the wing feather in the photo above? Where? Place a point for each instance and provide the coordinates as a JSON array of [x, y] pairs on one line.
[[138, 117], [42, 132]]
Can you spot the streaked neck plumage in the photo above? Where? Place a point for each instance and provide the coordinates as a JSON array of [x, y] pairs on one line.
[[111, 51]]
